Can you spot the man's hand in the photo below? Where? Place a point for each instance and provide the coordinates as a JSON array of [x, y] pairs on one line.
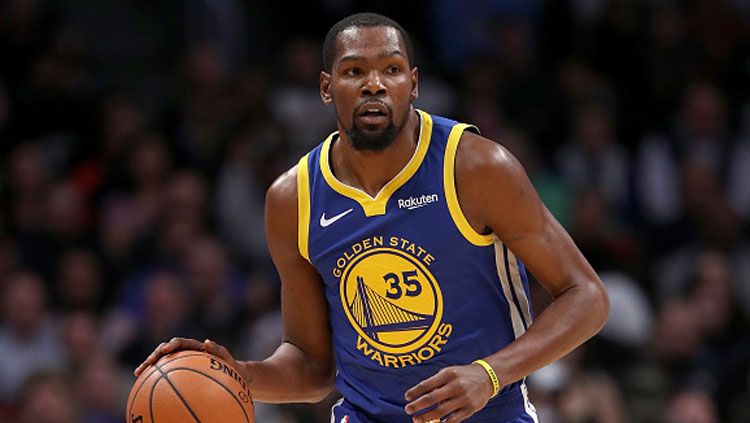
[[180, 344], [455, 393]]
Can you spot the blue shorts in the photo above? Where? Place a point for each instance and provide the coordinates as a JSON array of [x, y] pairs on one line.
[[344, 412]]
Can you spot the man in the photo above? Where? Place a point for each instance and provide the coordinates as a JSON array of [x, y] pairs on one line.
[[399, 243]]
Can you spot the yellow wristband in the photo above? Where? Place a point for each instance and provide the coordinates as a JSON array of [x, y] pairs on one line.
[[493, 377]]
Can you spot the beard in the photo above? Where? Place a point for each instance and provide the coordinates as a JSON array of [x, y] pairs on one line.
[[378, 140]]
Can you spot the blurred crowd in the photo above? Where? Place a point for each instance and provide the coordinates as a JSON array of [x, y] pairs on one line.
[[137, 139]]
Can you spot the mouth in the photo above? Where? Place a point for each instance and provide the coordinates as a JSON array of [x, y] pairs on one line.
[[373, 113]]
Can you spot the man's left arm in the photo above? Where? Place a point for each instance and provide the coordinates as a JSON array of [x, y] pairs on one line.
[[496, 195]]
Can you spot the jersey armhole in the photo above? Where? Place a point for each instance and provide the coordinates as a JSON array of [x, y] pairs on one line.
[[303, 207], [451, 196]]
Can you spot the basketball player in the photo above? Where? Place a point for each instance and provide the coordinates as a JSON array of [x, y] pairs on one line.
[[402, 242]]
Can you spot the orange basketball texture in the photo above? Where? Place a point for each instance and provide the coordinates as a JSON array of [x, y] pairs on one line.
[[189, 386]]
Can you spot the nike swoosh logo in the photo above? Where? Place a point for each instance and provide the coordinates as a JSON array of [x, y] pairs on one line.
[[327, 222]]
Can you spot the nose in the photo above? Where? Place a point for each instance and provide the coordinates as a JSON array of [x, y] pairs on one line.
[[373, 85]]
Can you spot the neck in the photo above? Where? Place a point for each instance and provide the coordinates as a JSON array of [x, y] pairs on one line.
[[371, 170]]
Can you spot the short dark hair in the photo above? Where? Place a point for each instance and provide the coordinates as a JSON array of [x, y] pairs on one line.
[[361, 20]]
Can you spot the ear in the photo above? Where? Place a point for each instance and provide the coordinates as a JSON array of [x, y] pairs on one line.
[[325, 88], [414, 83]]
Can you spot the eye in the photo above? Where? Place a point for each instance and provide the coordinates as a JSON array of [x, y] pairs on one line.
[[393, 69], [353, 72]]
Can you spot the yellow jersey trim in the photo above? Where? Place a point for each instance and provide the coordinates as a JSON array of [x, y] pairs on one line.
[[451, 197], [376, 206], [303, 207]]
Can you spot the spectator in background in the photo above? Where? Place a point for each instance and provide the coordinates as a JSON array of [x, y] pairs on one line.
[[577, 86], [439, 95], [122, 119], [223, 24], [718, 229], [101, 166], [129, 45], [296, 99], [205, 115], [28, 176], [67, 218], [29, 340], [630, 325], [739, 176], [258, 127], [159, 310], [700, 136], [26, 28], [670, 60], [99, 390], [183, 219], [9, 258], [691, 407], [79, 283], [239, 195], [60, 87], [570, 392], [465, 30], [553, 190], [677, 337], [725, 355], [601, 236], [595, 166], [81, 338], [702, 337], [480, 102], [47, 397], [129, 213], [212, 278], [593, 159], [57, 221]]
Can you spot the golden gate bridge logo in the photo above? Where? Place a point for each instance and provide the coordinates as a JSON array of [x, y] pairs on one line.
[[375, 314], [391, 299]]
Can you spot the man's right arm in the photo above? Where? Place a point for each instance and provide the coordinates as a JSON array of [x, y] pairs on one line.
[[302, 368]]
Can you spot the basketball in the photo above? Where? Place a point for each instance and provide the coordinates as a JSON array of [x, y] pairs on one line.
[[189, 386]]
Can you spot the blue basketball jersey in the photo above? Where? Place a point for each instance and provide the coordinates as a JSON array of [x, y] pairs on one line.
[[411, 286]]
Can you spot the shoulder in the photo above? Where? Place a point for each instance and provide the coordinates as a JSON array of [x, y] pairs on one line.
[[477, 156], [281, 214], [281, 197], [493, 189], [283, 191]]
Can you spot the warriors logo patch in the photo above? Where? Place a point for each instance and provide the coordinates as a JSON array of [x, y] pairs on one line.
[[394, 303]]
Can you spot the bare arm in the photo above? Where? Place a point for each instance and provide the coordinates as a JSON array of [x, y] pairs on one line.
[[496, 195], [506, 203], [302, 368]]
